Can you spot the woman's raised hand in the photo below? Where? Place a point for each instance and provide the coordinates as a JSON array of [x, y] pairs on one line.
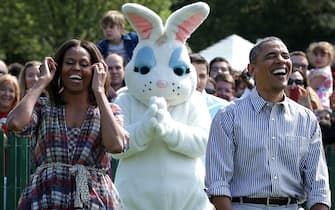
[[47, 70], [99, 77]]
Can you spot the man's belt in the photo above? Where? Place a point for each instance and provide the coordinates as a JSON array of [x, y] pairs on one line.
[[266, 201]]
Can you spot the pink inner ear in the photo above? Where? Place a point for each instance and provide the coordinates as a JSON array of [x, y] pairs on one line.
[[143, 26], [188, 26]]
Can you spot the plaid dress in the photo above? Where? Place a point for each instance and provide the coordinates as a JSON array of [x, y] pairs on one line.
[[60, 153]]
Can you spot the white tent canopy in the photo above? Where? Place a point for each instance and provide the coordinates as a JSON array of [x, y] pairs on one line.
[[233, 48]]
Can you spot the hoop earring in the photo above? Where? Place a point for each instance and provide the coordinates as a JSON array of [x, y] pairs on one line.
[[60, 85]]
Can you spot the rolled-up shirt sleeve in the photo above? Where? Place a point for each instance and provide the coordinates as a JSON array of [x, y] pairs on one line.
[[219, 155], [316, 172]]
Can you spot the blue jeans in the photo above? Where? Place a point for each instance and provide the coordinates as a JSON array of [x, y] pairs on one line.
[[250, 206]]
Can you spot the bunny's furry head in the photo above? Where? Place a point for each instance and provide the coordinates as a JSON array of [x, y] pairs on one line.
[[160, 65]]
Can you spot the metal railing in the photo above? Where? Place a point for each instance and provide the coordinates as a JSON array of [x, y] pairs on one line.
[[19, 166], [16, 166]]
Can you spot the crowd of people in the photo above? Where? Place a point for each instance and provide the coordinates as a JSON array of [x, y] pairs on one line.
[[65, 105]]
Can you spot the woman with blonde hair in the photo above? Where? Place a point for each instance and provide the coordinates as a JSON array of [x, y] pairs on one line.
[[9, 97], [28, 76]]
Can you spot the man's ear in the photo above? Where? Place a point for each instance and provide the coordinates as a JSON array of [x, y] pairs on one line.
[[251, 69]]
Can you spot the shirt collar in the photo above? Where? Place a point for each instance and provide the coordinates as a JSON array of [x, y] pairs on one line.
[[125, 37], [258, 102]]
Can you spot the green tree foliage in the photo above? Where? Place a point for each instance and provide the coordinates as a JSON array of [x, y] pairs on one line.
[[297, 22], [33, 29]]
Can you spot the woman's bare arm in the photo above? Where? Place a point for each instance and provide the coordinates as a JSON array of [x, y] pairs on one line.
[[113, 134], [21, 114]]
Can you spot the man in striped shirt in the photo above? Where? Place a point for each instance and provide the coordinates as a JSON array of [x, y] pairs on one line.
[[265, 151]]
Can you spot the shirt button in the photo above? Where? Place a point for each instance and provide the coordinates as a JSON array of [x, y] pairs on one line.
[[273, 119], [275, 177], [273, 158], [273, 137]]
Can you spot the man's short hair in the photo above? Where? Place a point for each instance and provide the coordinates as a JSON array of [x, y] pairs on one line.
[[298, 53], [220, 59], [254, 52], [124, 63], [198, 59]]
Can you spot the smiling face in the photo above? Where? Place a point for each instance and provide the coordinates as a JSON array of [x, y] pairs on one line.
[[219, 67], [271, 68], [116, 70], [296, 79], [76, 70], [7, 96], [225, 90], [31, 76]]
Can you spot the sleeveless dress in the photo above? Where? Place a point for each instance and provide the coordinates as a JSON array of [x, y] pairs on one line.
[[325, 89], [71, 163]]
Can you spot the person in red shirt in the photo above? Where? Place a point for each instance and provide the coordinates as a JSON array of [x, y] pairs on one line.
[[9, 97]]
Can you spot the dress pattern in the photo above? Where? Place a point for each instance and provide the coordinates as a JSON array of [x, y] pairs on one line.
[[67, 158], [326, 87]]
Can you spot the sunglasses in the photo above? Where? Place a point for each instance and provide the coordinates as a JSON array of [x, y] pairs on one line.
[[296, 81]]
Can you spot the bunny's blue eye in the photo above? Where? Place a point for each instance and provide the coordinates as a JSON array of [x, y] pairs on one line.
[[181, 70], [142, 69], [177, 64], [144, 60]]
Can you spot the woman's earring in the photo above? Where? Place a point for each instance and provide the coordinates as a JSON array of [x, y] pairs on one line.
[[60, 86]]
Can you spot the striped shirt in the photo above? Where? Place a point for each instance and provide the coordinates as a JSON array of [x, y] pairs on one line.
[[259, 149]]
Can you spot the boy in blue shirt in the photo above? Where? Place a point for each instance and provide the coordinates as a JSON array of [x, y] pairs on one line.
[[113, 25]]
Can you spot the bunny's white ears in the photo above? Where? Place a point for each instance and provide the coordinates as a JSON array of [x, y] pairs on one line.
[[179, 26]]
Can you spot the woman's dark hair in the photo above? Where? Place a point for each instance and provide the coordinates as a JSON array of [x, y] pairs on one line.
[[54, 88]]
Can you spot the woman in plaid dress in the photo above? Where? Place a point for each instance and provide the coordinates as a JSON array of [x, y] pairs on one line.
[[72, 132]]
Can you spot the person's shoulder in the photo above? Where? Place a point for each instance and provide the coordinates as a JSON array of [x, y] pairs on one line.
[[238, 102], [122, 91], [131, 36], [215, 99], [196, 95], [102, 42], [233, 107], [300, 110], [123, 96]]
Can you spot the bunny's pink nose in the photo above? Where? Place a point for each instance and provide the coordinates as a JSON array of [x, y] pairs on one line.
[[161, 83]]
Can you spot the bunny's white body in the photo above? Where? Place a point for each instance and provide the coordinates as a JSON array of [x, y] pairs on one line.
[[166, 118]]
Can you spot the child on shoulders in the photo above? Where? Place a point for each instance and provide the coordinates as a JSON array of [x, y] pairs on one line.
[[116, 41]]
